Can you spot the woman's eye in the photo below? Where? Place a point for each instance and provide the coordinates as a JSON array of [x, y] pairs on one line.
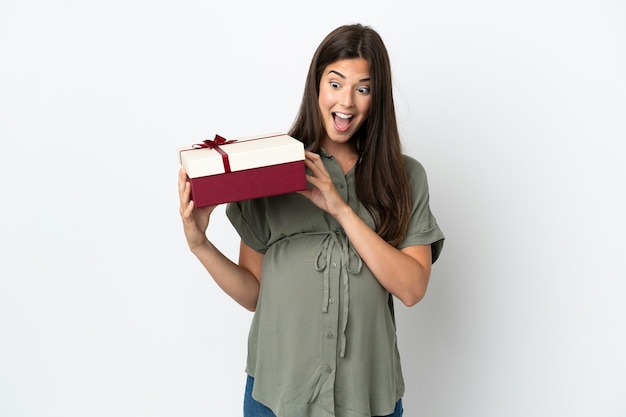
[[334, 84], [363, 90]]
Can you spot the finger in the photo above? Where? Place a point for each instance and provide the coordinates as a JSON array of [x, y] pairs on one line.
[[189, 209], [321, 186], [184, 195], [182, 186], [182, 181], [186, 211], [314, 159], [310, 165], [317, 167], [314, 181], [312, 155], [181, 170]]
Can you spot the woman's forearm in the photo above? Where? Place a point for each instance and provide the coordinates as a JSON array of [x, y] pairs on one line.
[[404, 273], [236, 281]]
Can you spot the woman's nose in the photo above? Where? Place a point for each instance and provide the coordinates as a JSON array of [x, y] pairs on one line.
[[347, 98]]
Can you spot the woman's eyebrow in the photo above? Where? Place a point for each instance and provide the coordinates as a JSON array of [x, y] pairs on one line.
[[337, 72], [344, 77]]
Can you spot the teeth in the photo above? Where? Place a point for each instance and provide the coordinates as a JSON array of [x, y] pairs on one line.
[[343, 116]]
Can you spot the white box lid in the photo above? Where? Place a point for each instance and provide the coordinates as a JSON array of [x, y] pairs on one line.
[[243, 153]]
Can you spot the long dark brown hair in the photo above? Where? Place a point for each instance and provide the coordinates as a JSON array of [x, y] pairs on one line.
[[381, 180]]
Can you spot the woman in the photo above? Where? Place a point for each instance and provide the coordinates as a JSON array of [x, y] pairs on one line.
[[320, 267]]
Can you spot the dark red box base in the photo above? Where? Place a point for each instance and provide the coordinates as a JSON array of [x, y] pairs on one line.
[[248, 184]]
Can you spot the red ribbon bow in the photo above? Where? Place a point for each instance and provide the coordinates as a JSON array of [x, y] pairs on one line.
[[215, 144]]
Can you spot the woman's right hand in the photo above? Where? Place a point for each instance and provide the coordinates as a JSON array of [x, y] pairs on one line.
[[195, 220]]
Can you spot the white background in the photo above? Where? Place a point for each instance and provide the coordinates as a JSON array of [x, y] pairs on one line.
[[516, 109]]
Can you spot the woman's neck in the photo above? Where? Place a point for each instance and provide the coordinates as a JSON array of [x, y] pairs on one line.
[[344, 153]]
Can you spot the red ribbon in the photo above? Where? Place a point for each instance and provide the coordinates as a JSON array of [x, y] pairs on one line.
[[215, 144]]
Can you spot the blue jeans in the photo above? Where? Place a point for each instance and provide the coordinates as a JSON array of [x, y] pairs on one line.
[[253, 408]]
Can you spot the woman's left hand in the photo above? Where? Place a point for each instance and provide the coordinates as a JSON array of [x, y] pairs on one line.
[[323, 194]]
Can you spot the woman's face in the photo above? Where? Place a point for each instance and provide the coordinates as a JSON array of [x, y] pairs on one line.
[[344, 98]]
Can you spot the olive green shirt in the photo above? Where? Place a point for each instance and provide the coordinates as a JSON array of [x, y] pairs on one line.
[[323, 337]]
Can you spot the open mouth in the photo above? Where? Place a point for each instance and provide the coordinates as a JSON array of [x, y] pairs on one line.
[[342, 121]]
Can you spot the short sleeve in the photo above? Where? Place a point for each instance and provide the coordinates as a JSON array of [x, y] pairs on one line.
[[248, 219], [423, 228]]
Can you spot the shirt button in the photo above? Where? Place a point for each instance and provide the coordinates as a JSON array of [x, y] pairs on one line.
[[334, 265], [330, 335], [331, 300], [329, 369]]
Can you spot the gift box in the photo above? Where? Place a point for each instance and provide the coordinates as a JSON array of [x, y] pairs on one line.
[[223, 171]]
